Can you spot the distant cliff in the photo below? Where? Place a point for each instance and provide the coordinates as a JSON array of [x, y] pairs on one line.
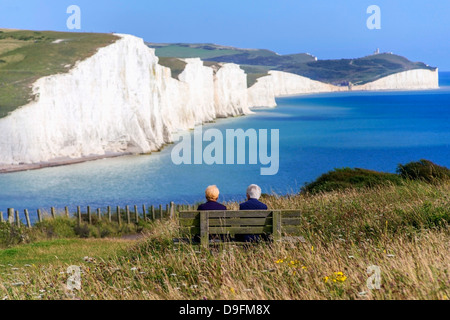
[[278, 84]]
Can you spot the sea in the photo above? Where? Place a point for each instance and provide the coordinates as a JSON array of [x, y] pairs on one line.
[[317, 133]]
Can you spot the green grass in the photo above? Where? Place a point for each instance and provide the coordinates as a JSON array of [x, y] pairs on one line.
[[26, 56], [176, 66], [62, 251], [190, 51]]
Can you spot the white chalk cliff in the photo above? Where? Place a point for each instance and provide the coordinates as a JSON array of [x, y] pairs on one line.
[[121, 100], [278, 84]]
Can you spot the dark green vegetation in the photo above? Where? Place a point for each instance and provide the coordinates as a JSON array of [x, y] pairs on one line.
[[26, 56], [345, 178], [256, 63], [424, 170]]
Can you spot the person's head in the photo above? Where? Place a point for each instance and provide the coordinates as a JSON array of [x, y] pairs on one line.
[[254, 192], [212, 193]]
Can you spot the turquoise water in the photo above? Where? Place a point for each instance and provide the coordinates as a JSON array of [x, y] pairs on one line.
[[317, 133]]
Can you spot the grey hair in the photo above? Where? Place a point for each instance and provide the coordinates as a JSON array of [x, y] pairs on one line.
[[254, 191]]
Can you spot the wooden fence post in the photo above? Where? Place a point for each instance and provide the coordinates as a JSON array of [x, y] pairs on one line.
[[11, 215], [152, 209], [136, 213], [160, 212], [79, 215], [1, 217], [89, 214], [99, 214], [27, 217], [167, 211], [67, 212], [119, 218], [17, 219], [128, 214], [204, 229], [39, 214], [53, 213], [172, 210], [109, 214], [144, 211]]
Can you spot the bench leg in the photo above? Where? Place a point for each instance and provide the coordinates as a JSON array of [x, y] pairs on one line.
[[276, 226], [204, 229]]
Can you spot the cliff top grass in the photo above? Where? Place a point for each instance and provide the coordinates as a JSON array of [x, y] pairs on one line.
[[176, 65], [26, 56]]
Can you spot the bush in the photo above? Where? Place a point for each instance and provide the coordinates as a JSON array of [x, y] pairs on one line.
[[345, 178], [424, 170], [57, 228], [10, 235]]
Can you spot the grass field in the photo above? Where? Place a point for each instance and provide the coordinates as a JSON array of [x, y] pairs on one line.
[[402, 229], [26, 56]]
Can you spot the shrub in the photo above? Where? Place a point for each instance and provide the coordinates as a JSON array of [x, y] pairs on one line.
[[424, 170], [57, 228], [10, 235], [345, 178]]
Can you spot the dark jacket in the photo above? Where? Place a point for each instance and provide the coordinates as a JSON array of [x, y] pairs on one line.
[[212, 206], [253, 204]]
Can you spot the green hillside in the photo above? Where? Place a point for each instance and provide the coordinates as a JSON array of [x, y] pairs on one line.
[[26, 56], [257, 63]]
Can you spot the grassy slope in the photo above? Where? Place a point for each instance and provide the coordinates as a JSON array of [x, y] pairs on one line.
[[176, 65], [62, 251], [26, 56], [257, 62], [403, 229]]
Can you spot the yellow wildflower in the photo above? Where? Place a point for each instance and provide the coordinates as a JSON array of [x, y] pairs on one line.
[[232, 290]]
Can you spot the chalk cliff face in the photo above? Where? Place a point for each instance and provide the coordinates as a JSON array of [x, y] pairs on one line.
[[278, 84], [409, 80], [121, 100]]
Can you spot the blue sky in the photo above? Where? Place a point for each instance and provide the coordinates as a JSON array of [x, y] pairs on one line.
[[419, 30]]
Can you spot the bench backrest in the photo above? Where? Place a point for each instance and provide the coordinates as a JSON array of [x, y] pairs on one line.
[[204, 223]]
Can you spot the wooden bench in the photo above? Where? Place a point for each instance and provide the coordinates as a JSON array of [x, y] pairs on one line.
[[202, 224]]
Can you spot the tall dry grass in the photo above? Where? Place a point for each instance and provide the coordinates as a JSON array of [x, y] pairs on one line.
[[401, 229]]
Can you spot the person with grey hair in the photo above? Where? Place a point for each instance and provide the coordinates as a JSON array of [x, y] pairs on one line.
[[253, 196], [252, 204]]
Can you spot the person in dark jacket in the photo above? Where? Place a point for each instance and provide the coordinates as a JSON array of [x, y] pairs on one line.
[[212, 195], [253, 203]]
